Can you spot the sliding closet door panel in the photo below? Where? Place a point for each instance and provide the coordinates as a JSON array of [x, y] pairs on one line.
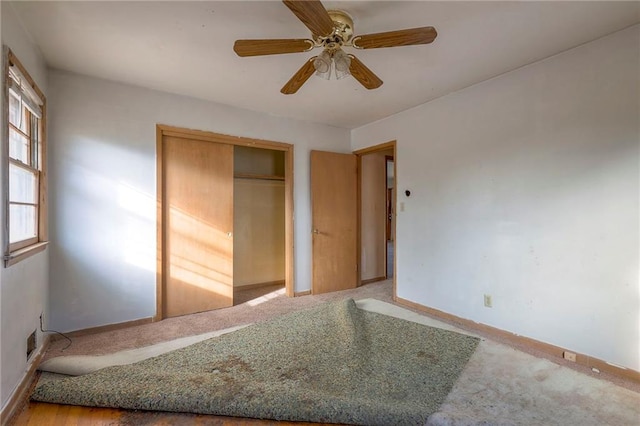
[[198, 211]]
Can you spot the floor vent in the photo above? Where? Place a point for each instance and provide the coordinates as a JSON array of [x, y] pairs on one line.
[[31, 344]]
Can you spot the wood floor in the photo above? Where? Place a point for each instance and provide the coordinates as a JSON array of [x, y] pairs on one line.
[[42, 414]]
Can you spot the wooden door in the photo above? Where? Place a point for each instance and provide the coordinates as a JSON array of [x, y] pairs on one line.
[[197, 226], [334, 221]]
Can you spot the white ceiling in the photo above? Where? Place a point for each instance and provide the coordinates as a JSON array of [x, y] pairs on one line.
[[186, 48]]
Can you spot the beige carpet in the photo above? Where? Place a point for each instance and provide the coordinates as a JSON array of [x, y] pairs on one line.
[[500, 385]]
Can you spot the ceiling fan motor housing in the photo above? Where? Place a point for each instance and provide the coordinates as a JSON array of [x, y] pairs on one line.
[[342, 30]]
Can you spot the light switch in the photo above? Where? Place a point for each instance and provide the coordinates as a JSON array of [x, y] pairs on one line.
[[401, 207]]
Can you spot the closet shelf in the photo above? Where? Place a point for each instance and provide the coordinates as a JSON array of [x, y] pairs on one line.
[[257, 177]]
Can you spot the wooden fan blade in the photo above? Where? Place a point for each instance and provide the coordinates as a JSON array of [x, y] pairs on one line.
[[364, 75], [271, 47], [409, 37], [313, 15], [299, 78]]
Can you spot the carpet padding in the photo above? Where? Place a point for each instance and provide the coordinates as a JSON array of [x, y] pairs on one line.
[[335, 363], [77, 365]]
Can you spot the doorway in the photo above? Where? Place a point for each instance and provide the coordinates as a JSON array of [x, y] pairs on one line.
[[352, 240], [196, 223], [390, 183], [377, 195]]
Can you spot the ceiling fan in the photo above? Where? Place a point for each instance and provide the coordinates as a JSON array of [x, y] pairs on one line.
[[331, 30]]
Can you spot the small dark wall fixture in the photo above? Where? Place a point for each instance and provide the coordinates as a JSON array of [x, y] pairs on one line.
[[407, 193], [31, 344]]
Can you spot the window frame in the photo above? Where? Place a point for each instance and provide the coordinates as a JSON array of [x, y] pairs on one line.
[[20, 250]]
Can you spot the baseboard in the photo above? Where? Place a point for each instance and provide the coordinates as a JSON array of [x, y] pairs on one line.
[[302, 293], [553, 351], [258, 285], [103, 328], [20, 394], [372, 280]]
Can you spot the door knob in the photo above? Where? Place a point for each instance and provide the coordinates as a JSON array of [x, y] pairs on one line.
[[315, 231], [229, 234]]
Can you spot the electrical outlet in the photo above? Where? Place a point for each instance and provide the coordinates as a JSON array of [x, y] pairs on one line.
[[487, 301], [569, 356]]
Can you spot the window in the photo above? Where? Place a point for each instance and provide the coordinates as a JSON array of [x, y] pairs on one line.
[[25, 149]]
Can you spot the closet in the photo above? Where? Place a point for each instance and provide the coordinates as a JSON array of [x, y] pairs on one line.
[[258, 222], [225, 220]]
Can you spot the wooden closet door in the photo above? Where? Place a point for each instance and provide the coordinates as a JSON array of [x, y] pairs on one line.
[[198, 225]]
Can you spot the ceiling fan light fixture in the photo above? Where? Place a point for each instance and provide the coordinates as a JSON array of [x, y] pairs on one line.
[[325, 75], [342, 74], [322, 63], [342, 63]]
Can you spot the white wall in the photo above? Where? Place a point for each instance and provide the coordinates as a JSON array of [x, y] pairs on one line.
[[525, 187], [103, 186], [24, 286]]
